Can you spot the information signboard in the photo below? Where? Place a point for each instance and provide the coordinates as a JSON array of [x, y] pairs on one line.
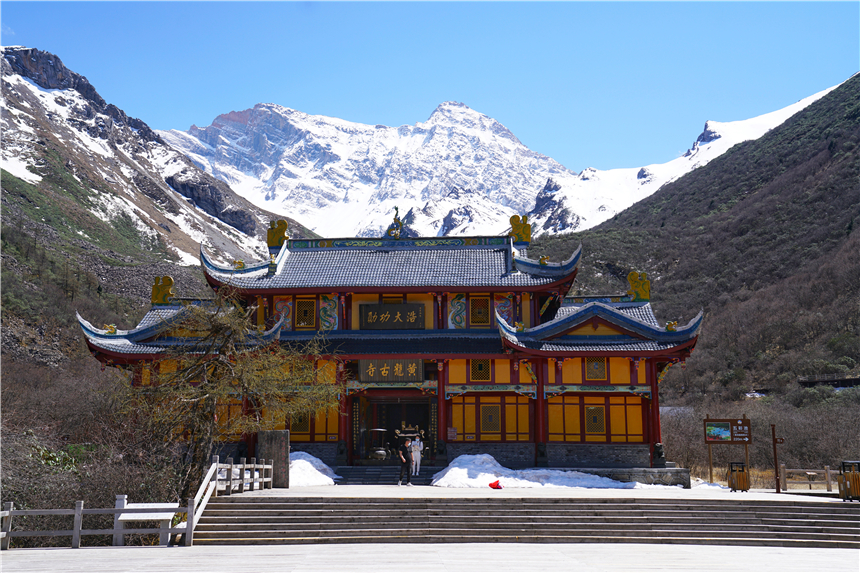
[[728, 431]]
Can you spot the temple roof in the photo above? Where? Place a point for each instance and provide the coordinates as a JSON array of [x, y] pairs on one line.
[[147, 338], [614, 325], [465, 262]]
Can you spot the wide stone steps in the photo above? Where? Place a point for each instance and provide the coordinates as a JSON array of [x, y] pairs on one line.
[[250, 520], [381, 475]]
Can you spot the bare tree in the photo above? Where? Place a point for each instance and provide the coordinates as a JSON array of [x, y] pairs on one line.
[[225, 359]]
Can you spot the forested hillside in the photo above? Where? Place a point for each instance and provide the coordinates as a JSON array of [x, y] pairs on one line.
[[765, 240]]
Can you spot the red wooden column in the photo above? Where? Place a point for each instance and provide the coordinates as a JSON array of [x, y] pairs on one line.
[[344, 424], [541, 371], [655, 402], [441, 412]]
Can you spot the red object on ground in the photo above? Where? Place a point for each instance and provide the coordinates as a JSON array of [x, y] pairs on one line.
[[496, 485]]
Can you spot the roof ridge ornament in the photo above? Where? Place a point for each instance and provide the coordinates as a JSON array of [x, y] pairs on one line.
[[162, 290], [640, 287], [396, 227], [521, 230], [276, 234]]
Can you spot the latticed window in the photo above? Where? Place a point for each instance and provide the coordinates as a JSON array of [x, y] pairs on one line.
[[491, 418], [479, 311], [595, 420], [300, 424], [595, 368], [306, 313], [479, 370]]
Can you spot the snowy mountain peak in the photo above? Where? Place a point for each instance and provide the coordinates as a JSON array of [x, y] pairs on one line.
[[453, 114], [459, 173]]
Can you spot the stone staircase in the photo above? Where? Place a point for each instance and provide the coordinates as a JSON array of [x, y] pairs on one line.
[[381, 475], [248, 520]]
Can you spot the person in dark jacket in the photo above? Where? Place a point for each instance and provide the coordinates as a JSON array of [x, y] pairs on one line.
[[405, 453]]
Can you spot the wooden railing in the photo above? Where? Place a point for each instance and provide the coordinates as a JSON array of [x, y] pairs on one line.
[[259, 476], [808, 477], [77, 531]]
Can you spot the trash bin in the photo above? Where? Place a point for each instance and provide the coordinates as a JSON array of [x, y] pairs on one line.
[[849, 481], [738, 477]]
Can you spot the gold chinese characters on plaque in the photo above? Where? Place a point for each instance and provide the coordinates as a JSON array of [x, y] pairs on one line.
[[402, 316], [391, 370]]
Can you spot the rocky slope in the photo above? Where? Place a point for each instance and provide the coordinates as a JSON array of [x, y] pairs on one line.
[[765, 239], [458, 173], [56, 125], [94, 206]]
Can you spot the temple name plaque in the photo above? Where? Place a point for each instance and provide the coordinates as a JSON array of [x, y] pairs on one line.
[[399, 316]]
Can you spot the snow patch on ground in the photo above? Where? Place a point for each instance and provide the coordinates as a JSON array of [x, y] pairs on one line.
[[481, 469], [698, 482], [307, 470]]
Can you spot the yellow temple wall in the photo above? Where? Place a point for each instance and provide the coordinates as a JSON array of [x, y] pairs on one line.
[[457, 372], [571, 371], [623, 419], [358, 299], [491, 418], [502, 371], [526, 310], [619, 370]]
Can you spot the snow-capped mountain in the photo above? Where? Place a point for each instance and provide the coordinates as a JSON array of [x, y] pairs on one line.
[[58, 133], [459, 173], [344, 179]]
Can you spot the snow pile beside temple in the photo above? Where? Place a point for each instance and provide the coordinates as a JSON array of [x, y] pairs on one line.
[[482, 469], [306, 470]]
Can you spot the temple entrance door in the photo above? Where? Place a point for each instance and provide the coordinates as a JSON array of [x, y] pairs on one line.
[[402, 416], [384, 417]]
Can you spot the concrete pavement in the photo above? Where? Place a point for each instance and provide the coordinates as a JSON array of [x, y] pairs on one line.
[[419, 558]]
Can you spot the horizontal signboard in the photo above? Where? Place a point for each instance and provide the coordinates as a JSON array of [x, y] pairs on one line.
[[399, 316], [391, 370]]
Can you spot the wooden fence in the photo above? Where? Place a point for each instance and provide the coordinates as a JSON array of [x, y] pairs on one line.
[[259, 476], [807, 477]]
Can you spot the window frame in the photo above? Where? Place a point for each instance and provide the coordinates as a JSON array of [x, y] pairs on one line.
[[296, 301]]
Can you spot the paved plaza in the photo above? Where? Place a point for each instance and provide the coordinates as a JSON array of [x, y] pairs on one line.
[[411, 558]]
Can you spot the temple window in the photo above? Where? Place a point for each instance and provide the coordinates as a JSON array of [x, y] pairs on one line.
[[491, 419], [479, 311], [595, 368], [306, 313], [479, 370], [595, 420], [300, 424]]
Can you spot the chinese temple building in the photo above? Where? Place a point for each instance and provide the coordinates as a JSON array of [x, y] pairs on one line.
[[462, 339]]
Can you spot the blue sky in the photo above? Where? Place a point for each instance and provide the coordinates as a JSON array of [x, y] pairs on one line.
[[605, 85]]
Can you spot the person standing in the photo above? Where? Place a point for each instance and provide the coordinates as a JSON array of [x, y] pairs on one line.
[[417, 447], [405, 453]]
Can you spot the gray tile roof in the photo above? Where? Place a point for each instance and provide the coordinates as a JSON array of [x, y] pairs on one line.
[[641, 311], [385, 263]]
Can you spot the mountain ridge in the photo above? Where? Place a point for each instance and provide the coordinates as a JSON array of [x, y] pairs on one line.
[[344, 179]]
